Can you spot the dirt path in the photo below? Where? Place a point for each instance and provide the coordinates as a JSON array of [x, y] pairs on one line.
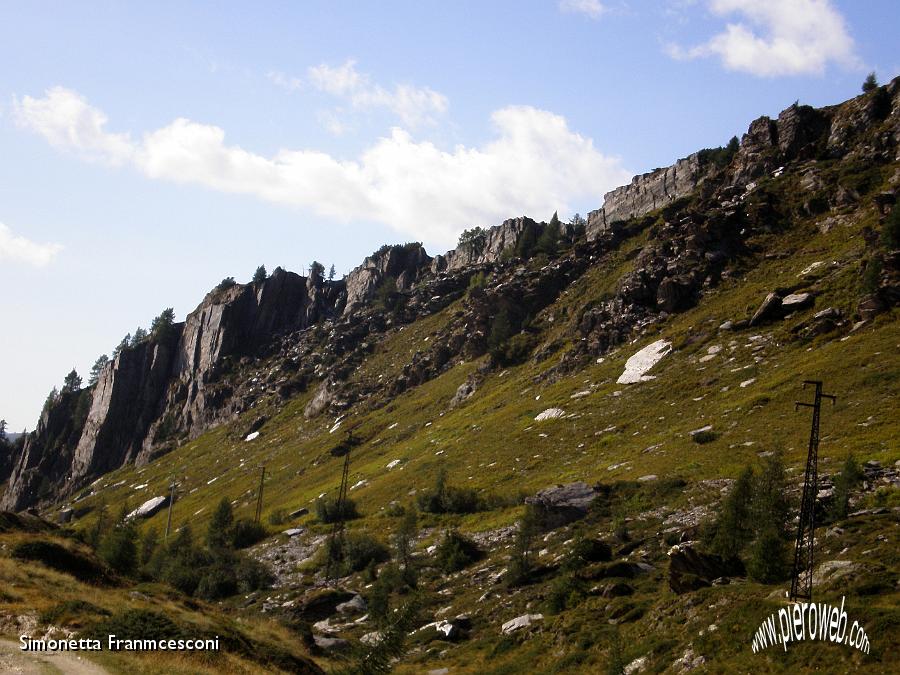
[[14, 660]]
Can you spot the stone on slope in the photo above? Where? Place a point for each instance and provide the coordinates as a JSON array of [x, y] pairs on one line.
[[149, 507], [520, 622], [637, 366], [563, 503], [550, 414]]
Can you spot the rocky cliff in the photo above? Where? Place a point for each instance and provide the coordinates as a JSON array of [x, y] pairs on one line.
[[244, 343], [646, 193]]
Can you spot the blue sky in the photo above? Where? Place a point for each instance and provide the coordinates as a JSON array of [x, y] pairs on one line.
[[147, 150]]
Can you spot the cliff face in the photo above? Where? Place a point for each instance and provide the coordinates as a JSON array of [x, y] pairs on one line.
[[204, 372], [486, 249], [165, 389], [646, 193], [404, 264]]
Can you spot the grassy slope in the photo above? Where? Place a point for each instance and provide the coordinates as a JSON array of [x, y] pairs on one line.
[[615, 433]]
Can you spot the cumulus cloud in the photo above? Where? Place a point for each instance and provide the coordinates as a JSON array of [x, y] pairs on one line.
[[777, 37], [591, 8], [67, 121], [413, 105], [283, 81], [535, 164], [19, 249]]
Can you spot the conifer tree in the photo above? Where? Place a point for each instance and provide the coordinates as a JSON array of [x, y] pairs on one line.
[[259, 275], [97, 368]]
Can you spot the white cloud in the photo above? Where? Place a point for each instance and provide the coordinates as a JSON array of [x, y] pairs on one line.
[[67, 121], [591, 8], [534, 165], [777, 37], [413, 105], [19, 249], [283, 81]]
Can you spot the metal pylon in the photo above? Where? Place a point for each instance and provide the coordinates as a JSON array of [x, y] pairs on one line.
[[801, 577]]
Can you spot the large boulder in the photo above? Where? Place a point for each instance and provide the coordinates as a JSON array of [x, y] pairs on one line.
[[563, 504], [690, 570]]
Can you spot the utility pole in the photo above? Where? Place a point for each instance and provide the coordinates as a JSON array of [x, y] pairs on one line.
[[259, 495], [171, 507], [336, 538], [801, 577]]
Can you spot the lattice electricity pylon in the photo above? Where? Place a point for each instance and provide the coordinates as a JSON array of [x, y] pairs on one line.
[[801, 577], [336, 538]]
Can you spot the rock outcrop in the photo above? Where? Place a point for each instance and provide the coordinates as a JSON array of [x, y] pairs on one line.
[[402, 264], [646, 193], [489, 247]]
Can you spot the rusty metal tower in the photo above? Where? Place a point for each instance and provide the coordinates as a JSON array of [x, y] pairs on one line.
[[801, 577]]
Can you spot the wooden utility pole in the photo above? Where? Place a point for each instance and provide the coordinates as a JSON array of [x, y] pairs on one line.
[[336, 538], [259, 495], [171, 508], [801, 577]]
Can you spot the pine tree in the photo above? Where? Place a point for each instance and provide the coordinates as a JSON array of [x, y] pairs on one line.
[[844, 482], [870, 83], [119, 547], [218, 536], [316, 270], [72, 382], [548, 242], [97, 368], [3, 437], [404, 538], [140, 335], [161, 328], [521, 564], [259, 275], [124, 344], [331, 273], [734, 527]]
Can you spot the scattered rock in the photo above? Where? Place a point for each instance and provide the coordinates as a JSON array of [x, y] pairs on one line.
[[330, 644], [690, 569], [769, 309], [520, 622], [550, 414], [563, 503], [355, 605], [642, 361], [149, 508]]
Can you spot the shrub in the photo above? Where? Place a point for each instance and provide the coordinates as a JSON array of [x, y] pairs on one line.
[[456, 552], [768, 557], [246, 532], [217, 582], [218, 534], [119, 548], [137, 624], [449, 499], [521, 565], [278, 517], [703, 437], [327, 509], [871, 277], [360, 550], [844, 482], [565, 592], [890, 234], [515, 350], [734, 527], [586, 551], [62, 559], [70, 612]]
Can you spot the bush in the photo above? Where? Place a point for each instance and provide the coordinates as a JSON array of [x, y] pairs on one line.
[[361, 549], [217, 582], [449, 499], [515, 350], [768, 557], [456, 552], [890, 234], [119, 548], [586, 551], [844, 482], [62, 559], [278, 517], [327, 510], [137, 624], [218, 534], [247, 532], [70, 612], [565, 592]]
